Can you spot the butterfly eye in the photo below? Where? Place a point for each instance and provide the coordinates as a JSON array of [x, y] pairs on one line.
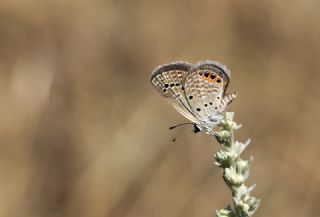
[[213, 76], [219, 81], [206, 74]]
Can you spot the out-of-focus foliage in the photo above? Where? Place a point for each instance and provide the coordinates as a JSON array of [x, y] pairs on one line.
[[84, 134]]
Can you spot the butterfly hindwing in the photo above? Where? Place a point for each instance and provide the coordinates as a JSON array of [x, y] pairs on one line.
[[205, 87]]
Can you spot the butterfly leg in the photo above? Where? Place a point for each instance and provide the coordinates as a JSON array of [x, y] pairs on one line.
[[212, 133]]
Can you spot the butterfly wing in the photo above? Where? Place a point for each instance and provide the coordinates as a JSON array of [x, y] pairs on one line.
[[168, 80], [205, 87]]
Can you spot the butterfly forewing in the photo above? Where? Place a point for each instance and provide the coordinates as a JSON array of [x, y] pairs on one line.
[[168, 80]]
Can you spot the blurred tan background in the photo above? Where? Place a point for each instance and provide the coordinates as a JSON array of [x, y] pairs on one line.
[[83, 133]]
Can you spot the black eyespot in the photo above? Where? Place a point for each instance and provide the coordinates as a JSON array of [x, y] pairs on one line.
[[164, 90], [190, 97], [177, 84], [213, 76], [198, 109], [215, 107], [205, 105], [166, 85], [210, 103], [218, 97], [200, 73], [218, 81], [206, 74], [172, 84], [182, 88]]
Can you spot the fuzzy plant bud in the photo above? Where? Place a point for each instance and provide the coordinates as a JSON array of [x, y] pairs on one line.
[[235, 170]]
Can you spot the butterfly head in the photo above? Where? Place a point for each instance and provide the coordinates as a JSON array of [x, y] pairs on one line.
[[211, 122]]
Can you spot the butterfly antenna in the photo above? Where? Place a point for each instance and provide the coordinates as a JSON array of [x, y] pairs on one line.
[[196, 129], [178, 125], [179, 134]]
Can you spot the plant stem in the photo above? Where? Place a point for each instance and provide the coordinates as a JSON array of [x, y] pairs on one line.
[[235, 170]]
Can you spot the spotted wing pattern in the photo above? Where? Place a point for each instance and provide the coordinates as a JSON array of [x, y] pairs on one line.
[[168, 80], [205, 88]]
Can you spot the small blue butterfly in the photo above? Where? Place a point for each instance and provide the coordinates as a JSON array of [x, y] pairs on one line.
[[196, 91]]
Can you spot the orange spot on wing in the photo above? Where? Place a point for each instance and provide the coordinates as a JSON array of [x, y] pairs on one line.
[[214, 81]]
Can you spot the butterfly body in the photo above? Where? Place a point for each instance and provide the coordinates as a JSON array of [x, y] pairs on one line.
[[196, 91]]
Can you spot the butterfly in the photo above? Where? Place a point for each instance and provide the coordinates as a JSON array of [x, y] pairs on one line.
[[196, 91]]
